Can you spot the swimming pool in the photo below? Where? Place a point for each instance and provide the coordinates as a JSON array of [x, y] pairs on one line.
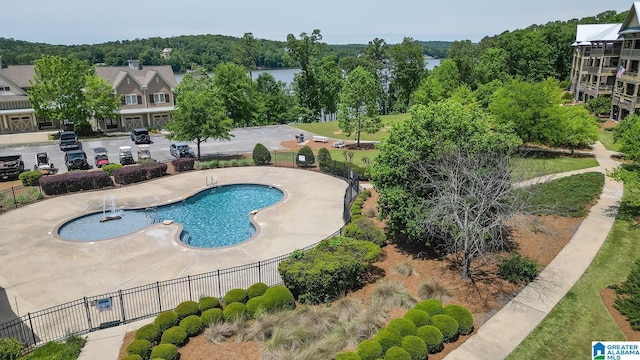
[[214, 217]]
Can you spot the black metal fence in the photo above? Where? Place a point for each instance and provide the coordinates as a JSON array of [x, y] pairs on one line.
[[97, 312], [18, 196]]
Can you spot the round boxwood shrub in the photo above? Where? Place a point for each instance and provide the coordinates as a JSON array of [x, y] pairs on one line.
[[10, 349], [165, 352], [236, 295], [209, 302], [463, 316], [192, 325], [448, 326], [211, 316], [403, 326], [187, 308], [348, 355], [431, 306], [140, 347], [397, 353], [30, 178], [261, 155], [369, 350], [417, 317], [256, 306], [257, 289], [175, 335], [150, 332], [234, 311], [323, 155], [432, 337], [132, 357], [415, 346], [309, 158], [279, 298], [166, 319], [388, 338]]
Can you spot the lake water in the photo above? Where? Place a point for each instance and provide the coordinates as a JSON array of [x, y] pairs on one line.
[[286, 75]]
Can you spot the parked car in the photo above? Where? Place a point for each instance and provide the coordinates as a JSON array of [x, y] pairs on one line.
[[100, 156], [76, 160], [140, 136], [181, 150], [69, 141], [11, 166]]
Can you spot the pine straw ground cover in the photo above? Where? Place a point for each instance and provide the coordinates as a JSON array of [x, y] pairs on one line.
[[403, 278]]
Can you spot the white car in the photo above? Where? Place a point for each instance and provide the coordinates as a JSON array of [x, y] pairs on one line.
[[181, 150]]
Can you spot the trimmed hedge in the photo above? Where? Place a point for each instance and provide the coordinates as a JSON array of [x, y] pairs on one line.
[[431, 306], [175, 335], [10, 348], [335, 168], [183, 164], [211, 316], [234, 311], [166, 319], [165, 352], [323, 155], [187, 308], [257, 289], [417, 317], [365, 229], [415, 346], [150, 332], [309, 157], [447, 325], [139, 347], [432, 337], [397, 353], [334, 266], [403, 326], [209, 302], [261, 155], [30, 178], [74, 181], [369, 350], [348, 355], [192, 325], [135, 173], [462, 315], [388, 338], [236, 295]]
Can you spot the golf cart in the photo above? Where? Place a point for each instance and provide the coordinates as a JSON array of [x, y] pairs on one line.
[[125, 155], [44, 164], [144, 153], [100, 156]]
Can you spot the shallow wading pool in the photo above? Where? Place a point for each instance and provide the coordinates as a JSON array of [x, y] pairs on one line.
[[215, 217]]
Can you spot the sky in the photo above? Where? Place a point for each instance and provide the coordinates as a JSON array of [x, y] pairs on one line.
[[72, 22]]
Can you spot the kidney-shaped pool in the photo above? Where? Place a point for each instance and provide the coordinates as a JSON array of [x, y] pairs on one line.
[[212, 218]]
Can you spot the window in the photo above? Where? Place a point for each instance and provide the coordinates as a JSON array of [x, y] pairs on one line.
[[158, 98], [111, 123], [4, 88], [130, 99]]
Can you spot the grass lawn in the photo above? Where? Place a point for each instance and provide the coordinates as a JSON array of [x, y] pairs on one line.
[[606, 138], [529, 168], [332, 130], [68, 350], [581, 317], [337, 154]]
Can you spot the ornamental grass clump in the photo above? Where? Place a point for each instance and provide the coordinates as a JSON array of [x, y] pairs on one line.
[[434, 288]]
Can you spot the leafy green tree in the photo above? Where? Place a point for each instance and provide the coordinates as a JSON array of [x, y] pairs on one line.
[[237, 93], [600, 105], [200, 113], [278, 103], [358, 108], [377, 55], [245, 52], [408, 69], [627, 135], [329, 83], [100, 101], [492, 66], [464, 55], [439, 84], [578, 127], [306, 51]]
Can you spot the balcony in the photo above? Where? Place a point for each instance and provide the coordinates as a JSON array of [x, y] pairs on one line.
[[630, 53]]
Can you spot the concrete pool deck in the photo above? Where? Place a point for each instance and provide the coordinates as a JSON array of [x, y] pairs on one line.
[[38, 270]]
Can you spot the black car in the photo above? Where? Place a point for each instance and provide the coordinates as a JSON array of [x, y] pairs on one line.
[[140, 136], [69, 141], [76, 160]]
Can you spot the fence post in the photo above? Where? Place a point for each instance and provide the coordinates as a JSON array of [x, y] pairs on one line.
[[15, 201], [189, 283], [259, 272], [33, 334], [219, 285], [159, 301], [86, 308], [124, 317]]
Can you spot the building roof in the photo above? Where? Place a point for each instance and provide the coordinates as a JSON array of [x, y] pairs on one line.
[[588, 33], [115, 74], [630, 24], [19, 74]]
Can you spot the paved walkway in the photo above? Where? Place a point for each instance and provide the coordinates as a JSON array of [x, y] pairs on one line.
[[39, 270], [499, 336]]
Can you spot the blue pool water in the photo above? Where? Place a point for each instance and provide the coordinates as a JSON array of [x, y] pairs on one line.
[[212, 218]]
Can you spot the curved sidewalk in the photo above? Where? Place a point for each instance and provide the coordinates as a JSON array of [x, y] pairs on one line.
[[499, 336]]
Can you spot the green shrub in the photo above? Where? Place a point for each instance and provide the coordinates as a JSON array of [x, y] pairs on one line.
[[192, 325], [10, 348], [348, 355], [403, 326], [256, 306], [628, 299], [518, 269], [234, 311], [261, 155], [111, 168], [462, 315], [134, 357], [397, 353], [150, 332], [365, 229], [30, 178], [209, 302], [323, 155], [140, 347], [187, 308], [278, 298], [415, 346], [388, 338], [175, 335], [165, 352], [334, 266], [447, 325], [309, 158], [432, 337], [257, 289], [431, 306], [369, 350], [417, 317], [366, 193], [211, 316], [166, 319], [236, 295]]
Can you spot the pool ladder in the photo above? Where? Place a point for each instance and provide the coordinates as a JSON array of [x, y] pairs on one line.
[[152, 214], [211, 181]]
